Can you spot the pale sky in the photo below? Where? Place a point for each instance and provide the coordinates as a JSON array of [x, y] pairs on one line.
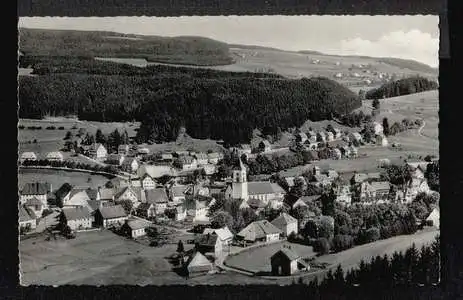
[[408, 37]]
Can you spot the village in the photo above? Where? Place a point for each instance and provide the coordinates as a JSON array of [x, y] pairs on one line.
[[216, 209]]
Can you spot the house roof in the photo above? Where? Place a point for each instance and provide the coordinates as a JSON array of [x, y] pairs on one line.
[[307, 199], [113, 211], [360, 177], [115, 157], [155, 171], [380, 185], [128, 161], [208, 239], [245, 146], [178, 190], [96, 146], [78, 197], [76, 213], [263, 187], [214, 155], [107, 193], [35, 188], [283, 220], [54, 154], [28, 155], [135, 224], [26, 214], [93, 204], [258, 229], [157, 195], [223, 233], [197, 260], [201, 155], [186, 159], [144, 206], [33, 202], [287, 252], [92, 193], [290, 180], [255, 203]]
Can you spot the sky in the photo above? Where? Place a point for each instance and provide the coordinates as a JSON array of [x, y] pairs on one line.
[[408, 37]]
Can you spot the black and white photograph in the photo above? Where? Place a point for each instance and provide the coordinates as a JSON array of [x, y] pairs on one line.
[[229, 150]]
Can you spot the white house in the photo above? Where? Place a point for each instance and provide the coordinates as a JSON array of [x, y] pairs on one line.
[[329, 136], [377, 128], [147, 182], [177, 193], [434, 217], [135, 227], [336, 153], [107, 216], [77, 217], [180, 213], [123, 149], [214, 157], [186, 163], [98, 152], [27, 218], [261, 230], [130, 165], [337, 133], [126, 193], [36, 190], [344, 195], [201, 158], [159, 198], [381, 140], [224, 234], [286, 224], [55, 156], [28, 156]]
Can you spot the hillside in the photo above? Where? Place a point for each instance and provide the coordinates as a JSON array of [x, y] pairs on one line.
[[402, 87], [179, 50]]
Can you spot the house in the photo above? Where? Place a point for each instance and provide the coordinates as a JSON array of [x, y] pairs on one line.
[[209, 243], [36, 205], [155, 171], [106, 194], [290, 180], [259, 231], [35, 190], [344, 194], [353, 151], [374, 191], [417, 169], [98, 152], [179, 153], [177, 193], [381, 140], [180, 213], [215, 157], [126, 193], [434, 217], [329, 136], [108, 216], [63, 193], [377, 128], [293, 203], [167, 157], [286, 262], [286, 224], [301, 137], [361, 177], [244, 149], [55, 156], [336, 153], [143, 151], [198, 263], [224, 234], [338, 75], [337, 133], [146, 210], [147, 182], [77, 197], [27, 218], [198, 207], [123, 149], [115, 159], [201, 158], [135, 227], [157, 197], [185, 163], [412, 188], [321, 137], [28, 156], [264, 146], [345, 151], [209, 169], [77, 217], [130, 165], [311, 136]]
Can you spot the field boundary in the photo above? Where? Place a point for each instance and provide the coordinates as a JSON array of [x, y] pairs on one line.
[[73, 170]]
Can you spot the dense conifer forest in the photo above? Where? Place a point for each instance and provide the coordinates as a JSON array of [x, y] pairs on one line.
[[209, 104], [402, 87]]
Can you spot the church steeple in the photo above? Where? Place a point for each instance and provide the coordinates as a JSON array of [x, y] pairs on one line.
[[240, 182], [239, 172]]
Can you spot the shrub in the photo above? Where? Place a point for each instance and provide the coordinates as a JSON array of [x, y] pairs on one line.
[[342, 242], [61, 128], [322, 246]]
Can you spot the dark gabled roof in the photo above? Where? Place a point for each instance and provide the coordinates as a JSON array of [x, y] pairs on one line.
[[258, 229], [255, 203], [111, 212], [94, 204], [63, 190], [286, 252], [35, 188], [76, 213], [208, 240], [92, 193], [144, 206], [283, 220], [157, 195], [135, 224]]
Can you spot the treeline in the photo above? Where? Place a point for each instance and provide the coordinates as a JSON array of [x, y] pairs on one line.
[[69, 164], [178, 50], [218, 108], [402, 87]]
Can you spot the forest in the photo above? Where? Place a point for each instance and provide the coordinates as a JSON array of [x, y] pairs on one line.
[[402, 87], [209, 104]]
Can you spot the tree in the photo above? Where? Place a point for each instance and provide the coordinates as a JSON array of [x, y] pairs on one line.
[[99, 137], [298, 189], [326, 228], [109, 184], [310, 229], [221, 219], [376, 104], [180, 248], [152, 232], [362, 94], [322, 246], [342, 242], [328, 199], [68, 136], [127, 205], [385, 126], [170, 213]]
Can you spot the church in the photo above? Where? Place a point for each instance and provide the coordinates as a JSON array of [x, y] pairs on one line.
[[265, 192]]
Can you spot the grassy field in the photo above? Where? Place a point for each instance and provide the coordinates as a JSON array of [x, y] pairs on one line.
[[258, 259], [57, 178]]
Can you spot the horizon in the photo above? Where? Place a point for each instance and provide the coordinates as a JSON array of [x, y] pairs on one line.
[[403, 37]]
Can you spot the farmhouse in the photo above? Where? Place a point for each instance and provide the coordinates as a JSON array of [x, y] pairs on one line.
[[126, 193], [321, 137], [336, 153], [28, 156], [185, 163], [35, 205], [286, 262], [198, 207], [381, 140], [311, 136], [55, 156], [77, 217], [301, 137], [329, 136], [214, 157], [361, 177], [259, 231], [209, 243], [337, 133], [155, 171], [417, 169], [98, 152], [106, 194], [198, 263], [108, 216], [115, 159], [147, 182], [355, 136], [180, 213], [159, 198], [201, 158], [434, 217], [286, 224], [412, 188], [146, 210], [123, 149], [79, 197], [344, 194], [135, 227], [377, 128], [374, 191], [130, 165], [27, 218], [177, 193], [35, 190], [224, 234]]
